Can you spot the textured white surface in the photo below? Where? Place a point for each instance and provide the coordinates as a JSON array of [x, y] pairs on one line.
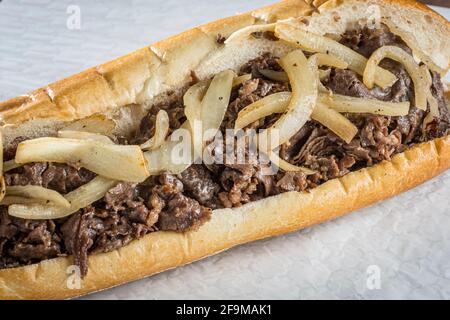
[[406, 237]]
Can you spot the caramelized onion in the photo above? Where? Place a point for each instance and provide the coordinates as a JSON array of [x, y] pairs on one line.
[[212, 110], [349, 104], [286, 166], [161, 131], [432, 102], [412, 44], [83, 135], [245, 32], [278, 102], [304, 80], [79, 198], [280, 76], [118, 162], [395, 53], [237, 81], [193, 110], [38, 193], [315, 43], [10, 165]]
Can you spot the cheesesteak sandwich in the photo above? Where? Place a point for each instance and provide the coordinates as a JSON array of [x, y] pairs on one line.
[[244, 128]]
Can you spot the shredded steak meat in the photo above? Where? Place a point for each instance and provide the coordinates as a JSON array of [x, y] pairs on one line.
[[60, 177], [185, 201]]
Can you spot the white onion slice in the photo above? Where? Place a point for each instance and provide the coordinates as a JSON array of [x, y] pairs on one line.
[[432, 102], [304, 80], [412, 44], [324, 59], [215, 103], [213, 107], [84, 135], [316, 43], [343, 103], [193, 110], [161, 131], [162, 159], [97, 123], [244, 33], [278, 102], [395, 53], [38, 193], [280, 76], [118, 162], [10, 165], [335, 121], [8, 200], [274, 103], [237, 81], [79, 198], [286, 166]]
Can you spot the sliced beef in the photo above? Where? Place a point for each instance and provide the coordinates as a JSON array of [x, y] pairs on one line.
[[79, 233], [10, 152], [199, 184], [249, 92], [368, 39], [266, 61], [347, 82], [24, 241], [60, 177], [291, 181], [439, 126], [175, 111], [183, 213], [178, 211]]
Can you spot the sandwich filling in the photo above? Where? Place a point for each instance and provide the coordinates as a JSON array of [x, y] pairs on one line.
[[184, 201]]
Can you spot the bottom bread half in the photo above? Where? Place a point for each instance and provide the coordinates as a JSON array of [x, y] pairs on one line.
[[159, 251]]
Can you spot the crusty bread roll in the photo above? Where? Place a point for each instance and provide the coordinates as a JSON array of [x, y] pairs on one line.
[[124, 89]]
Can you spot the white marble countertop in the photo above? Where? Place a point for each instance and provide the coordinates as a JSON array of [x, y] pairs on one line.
[[406, 240]]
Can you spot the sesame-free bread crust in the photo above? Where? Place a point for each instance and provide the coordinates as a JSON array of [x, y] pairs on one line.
[[135, 81]]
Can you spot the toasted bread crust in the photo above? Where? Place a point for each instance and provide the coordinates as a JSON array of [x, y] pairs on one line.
[[140, 76]]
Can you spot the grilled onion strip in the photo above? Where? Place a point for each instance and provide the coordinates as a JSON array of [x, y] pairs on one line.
[[349, 104], [237, 81], [161, 131], [83, 135], [118, 162], [421, 91], [245, 32], [79, 198], [432, 102], [304, 79], [278, 102], [286, 166], [315, 43], [38, 193], [10, 165], [412, 44], [212, 111]]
